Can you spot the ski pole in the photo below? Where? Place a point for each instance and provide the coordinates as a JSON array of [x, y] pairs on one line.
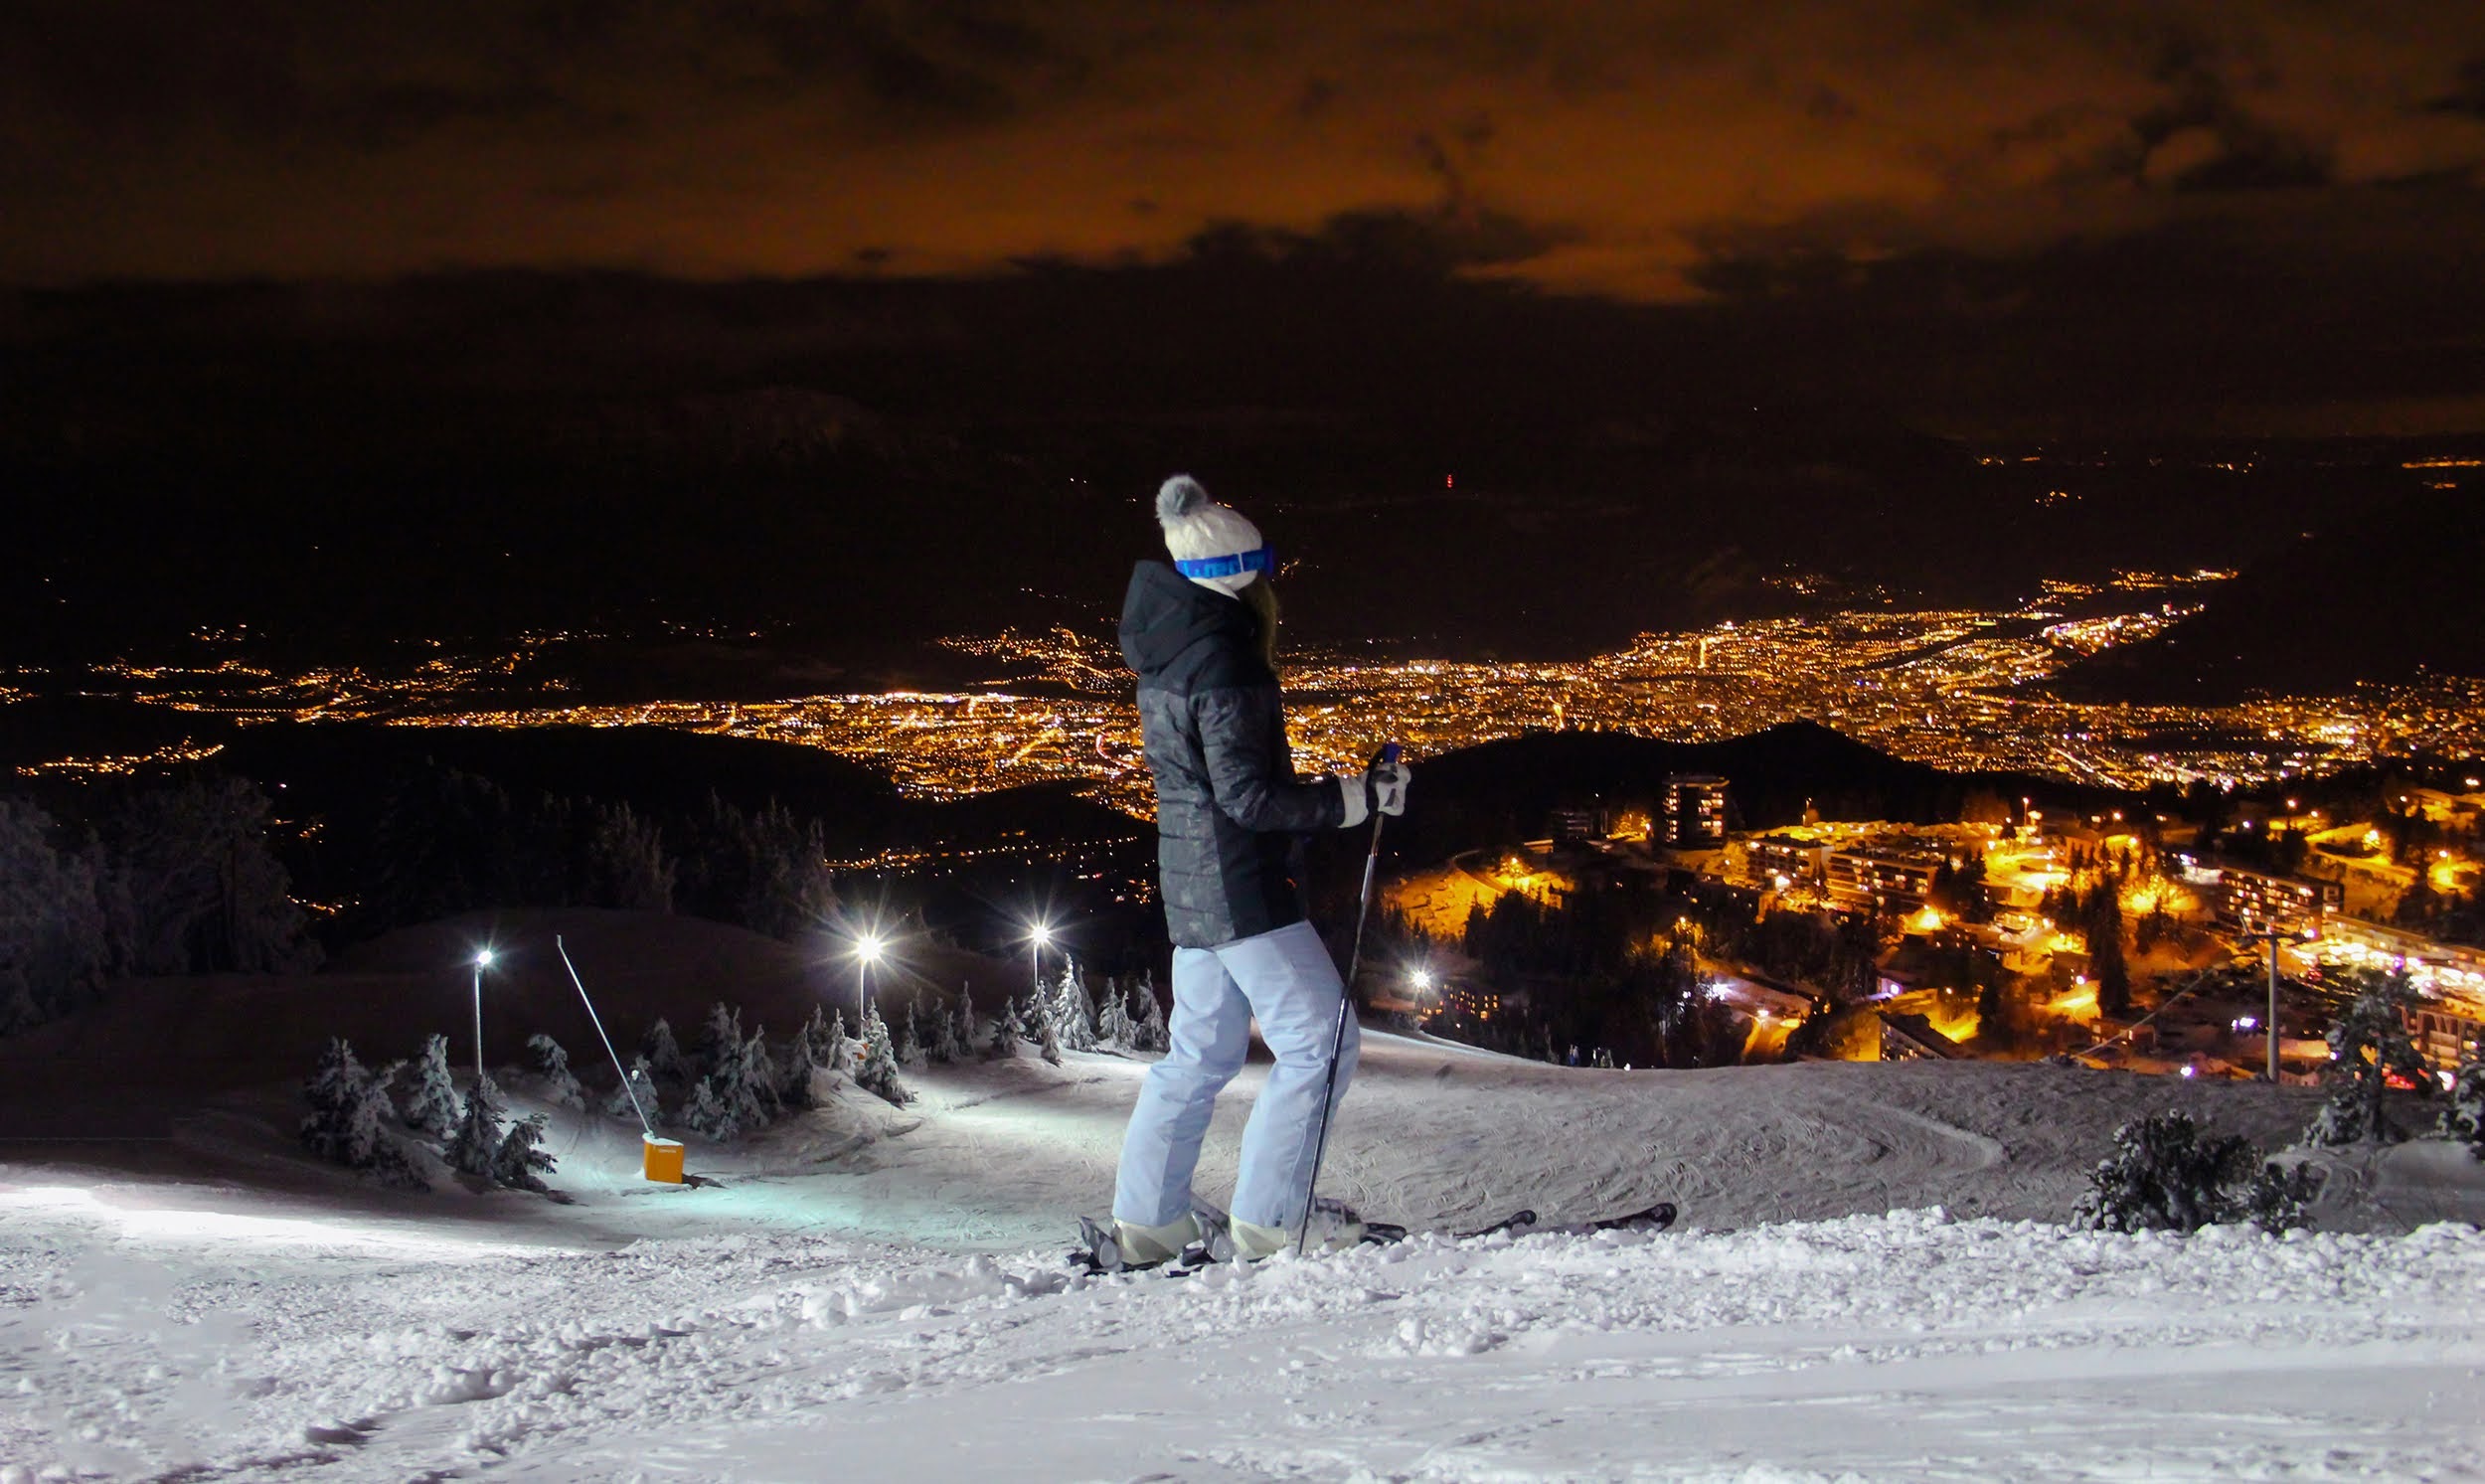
[[1344, 1008]]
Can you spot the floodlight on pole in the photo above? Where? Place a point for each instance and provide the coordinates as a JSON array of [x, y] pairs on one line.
[[1038, 937], [482, 961], [867, 952]]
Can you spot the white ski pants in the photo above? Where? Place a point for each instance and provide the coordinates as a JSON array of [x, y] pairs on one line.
[[1286, 980]]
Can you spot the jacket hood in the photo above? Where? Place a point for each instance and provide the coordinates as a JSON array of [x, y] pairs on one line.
[[1165, 613]]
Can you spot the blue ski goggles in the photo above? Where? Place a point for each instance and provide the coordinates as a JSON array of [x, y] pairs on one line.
[[1263, 560]]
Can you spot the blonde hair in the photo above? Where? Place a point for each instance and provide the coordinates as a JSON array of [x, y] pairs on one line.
[[1261, 598]]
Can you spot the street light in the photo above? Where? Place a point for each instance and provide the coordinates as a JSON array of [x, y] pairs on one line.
[[482, 961], [867, 952], [1039, 939]]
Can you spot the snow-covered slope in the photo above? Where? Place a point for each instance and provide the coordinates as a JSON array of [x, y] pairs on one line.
[[873, 1292]]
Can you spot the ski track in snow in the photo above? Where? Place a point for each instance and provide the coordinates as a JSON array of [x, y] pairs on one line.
[[886, 1299]]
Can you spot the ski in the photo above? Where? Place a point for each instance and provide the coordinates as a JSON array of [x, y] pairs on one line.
[[1524, 1223], [1099, 1255]]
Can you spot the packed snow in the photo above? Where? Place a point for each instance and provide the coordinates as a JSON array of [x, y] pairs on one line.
[[1866, 1285]]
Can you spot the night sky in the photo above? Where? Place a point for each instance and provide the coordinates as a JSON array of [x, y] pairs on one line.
[[1992, 217]]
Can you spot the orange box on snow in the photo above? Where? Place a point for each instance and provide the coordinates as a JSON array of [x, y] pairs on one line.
[[664, 1160]]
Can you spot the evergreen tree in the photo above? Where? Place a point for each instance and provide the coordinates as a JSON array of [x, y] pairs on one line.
[[2465, 1118], [663, 1054], [2105, 961], [793, 1082], [2167, 1175], [965, 1021], [55, 934], [757, 1080], [879, 1071], [707, 1115], [941, 1045], [909, 1046], [1035, 1015], [642, 1085], [2368, 1044], [719, 1040], [348, 1109], [1048, 1044], [475, 1143], [519, 1161], [1007, 1033], [1073, 1012], [202, 884], [1112, 1022], [841, 1053], [1148, 1030], [628, 868], [553, 1064], [435, 1106]]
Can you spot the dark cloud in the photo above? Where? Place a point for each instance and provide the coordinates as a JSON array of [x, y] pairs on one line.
[[1806, 164]]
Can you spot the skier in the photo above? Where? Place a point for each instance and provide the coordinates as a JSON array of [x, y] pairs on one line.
[[1230, 810]]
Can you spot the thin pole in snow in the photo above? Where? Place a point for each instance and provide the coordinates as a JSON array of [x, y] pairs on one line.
[[608, 1041], [1344, 1008]]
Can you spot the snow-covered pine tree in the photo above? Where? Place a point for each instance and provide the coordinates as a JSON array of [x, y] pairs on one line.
[[521, 1154], [348, 1109], [878, 1072], [643, 1083], [1148, 1027], [719, 1040], [964, 1020], [435, 1107], [941, 1042], [1112, 1022], [2368, 1044], [2167, 1175], [840, 1053], [793, 1078], [475, 1141], [663, 1054], [552, 1062], [759, 1079], [1007, 1033], [626, 864], [2465, 1118], [1047, 1042], [1074, 1011], [1034, 1014], [909, 1046], [813, 1033], [707, 1115]]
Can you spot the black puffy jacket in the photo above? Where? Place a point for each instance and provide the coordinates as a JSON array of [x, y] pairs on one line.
[[1228, 804]]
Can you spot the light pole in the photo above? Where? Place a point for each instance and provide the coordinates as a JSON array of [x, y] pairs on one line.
[[867, 952], [482, 961], [1038, 937]]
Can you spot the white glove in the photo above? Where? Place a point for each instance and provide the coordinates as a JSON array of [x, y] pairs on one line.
[[1358, 804], [1388, 786]]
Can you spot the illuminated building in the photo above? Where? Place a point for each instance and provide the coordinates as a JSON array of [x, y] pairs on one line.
[[1789, 855], [1582, 822], [2448, 1034], [1887, 878], [1691, 811], [2261, 901]]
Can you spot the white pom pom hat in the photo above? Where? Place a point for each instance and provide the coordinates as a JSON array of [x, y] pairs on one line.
[[1213, 544]]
